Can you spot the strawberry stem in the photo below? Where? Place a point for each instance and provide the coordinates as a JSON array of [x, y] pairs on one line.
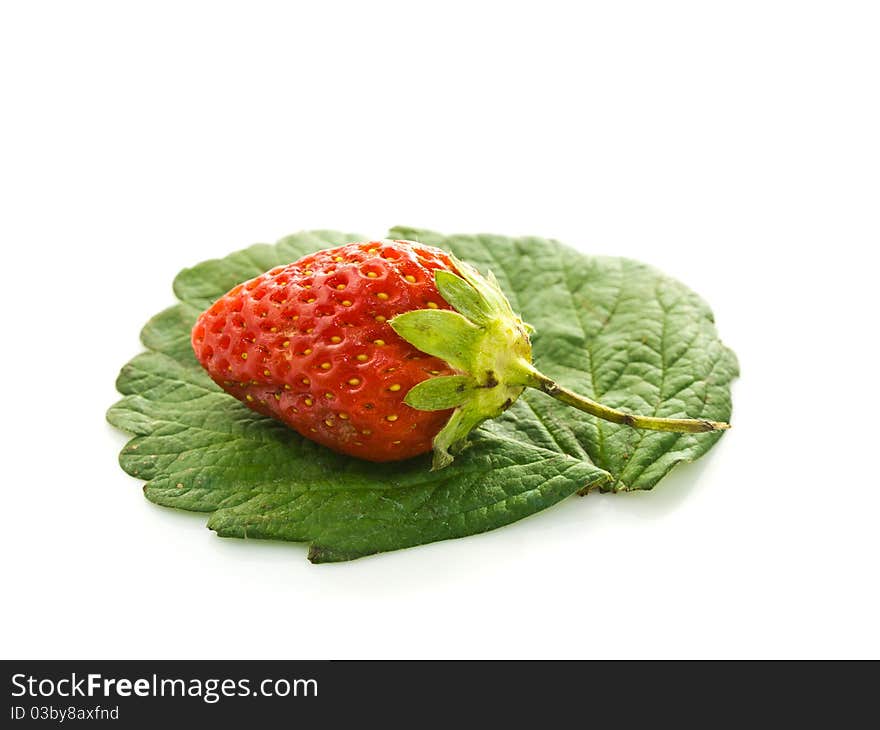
[[536, 379]]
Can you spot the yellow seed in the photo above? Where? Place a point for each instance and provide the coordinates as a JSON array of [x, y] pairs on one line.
[[325, 366], [340, 287], [373, 251], [254, 382], [410, 278], [379, 343], [372, 274], [273, 329], [328, 396], [432, 305], [366, 432], [392, 417], [286, 386], [434, 372], [395, 442], [309, 301], [310, 330], [338, 259], [266, 372], [346, 302], [278, 396], [307, 351], [358, 443], [382, 296], [394, 387], [313, 430], [336, 338], [308, 272], [354, 381], [328, 421], [286, 343], [380, 319], [308, 401], [305, 381], [250, 397], [361, 358], [343, 416], [244, 356]]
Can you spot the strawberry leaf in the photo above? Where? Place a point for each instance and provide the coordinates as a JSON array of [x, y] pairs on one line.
[[613, 329]]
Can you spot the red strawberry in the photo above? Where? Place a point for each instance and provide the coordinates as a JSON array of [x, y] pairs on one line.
[[381, 350], [309, 343]]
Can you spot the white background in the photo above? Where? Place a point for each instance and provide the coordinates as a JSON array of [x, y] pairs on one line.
[[734, 145]]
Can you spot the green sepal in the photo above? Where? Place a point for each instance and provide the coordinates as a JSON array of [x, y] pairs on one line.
[[463, 297], [487, 287], [438, 394], [441, 333], [452, 437]]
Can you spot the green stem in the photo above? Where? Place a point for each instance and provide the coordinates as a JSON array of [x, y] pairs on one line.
[[536, 379]]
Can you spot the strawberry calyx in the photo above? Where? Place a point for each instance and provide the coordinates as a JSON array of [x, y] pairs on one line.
[[488, 346], [484, 340]]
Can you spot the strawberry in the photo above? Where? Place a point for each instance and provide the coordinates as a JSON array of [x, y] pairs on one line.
[[381, 350], [309, 344]]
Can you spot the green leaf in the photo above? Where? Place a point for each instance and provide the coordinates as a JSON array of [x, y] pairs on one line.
[[438, 394], [615, 330], [439, 332]]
